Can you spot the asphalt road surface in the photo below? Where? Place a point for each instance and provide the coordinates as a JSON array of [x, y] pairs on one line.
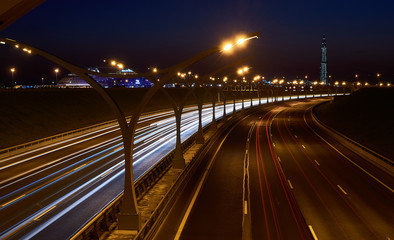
[[52, 191], [275, 175]]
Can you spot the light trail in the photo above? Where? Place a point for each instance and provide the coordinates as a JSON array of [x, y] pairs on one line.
[[152, 142]]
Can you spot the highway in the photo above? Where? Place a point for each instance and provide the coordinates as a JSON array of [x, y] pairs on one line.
[[275, 175], [66, 183], [341, 195]]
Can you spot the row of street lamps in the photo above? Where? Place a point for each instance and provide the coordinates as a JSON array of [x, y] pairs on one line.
[[13, 70]]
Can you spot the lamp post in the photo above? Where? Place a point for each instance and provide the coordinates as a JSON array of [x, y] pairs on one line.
[[129, 217], [56, 72], [12, 76]]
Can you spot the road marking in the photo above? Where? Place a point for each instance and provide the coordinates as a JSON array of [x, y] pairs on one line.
[[313, 232], [279, 159], [246, 207], [291, 186], [44, 213], [191, 204], [318, 164], [295, 136], [343, 155], [342, 190], [246, 152], [303, 146], [273, 144]]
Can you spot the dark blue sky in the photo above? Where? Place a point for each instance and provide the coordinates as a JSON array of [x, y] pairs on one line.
[[360, 35]]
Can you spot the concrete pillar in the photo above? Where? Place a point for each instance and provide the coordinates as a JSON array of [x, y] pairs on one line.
[[251, 99], [283, 94], [214, 125], [224, 107], [129, 218], [200, 133], [178, 161], [234, 110], [259, 96], [242, 96]]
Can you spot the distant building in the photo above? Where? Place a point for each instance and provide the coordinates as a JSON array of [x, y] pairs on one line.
[[323, 64], [73, 81]]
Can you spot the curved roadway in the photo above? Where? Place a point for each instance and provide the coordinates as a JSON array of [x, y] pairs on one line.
[[276, 175]]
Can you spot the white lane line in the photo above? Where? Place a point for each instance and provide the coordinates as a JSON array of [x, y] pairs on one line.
[[273, 144], [355, 164], [318, 164], [313, 232], [191, 204], [279, 159], [295, 136], [245, 207], [291, 186], [342, 190], [303, 146]]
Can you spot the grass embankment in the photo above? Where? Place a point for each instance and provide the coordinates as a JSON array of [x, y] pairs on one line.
[[366, 116], [27, 115]]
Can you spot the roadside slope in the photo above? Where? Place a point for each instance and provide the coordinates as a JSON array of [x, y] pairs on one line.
[[366, 116]]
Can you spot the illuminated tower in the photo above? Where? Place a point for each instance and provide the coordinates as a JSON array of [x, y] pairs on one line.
[[323, 65]]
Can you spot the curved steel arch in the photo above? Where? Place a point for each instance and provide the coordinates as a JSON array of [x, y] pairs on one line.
[[129, 218]]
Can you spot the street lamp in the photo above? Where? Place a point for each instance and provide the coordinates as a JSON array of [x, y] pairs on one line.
[[243, 70], [228, 46], [129, 217], [12, 76], [56, 72]]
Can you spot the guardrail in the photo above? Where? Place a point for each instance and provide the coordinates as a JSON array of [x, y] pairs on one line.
[[148, 229], [105, 220], [368, 150], [36, 143], [5, 152]]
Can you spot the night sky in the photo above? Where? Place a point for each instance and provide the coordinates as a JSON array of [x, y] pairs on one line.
[[141, 34]]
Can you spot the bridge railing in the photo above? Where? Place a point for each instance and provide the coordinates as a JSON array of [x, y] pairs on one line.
[[105, 220]]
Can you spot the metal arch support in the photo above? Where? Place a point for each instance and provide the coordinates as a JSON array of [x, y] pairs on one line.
[[234, 102], [129, 218], [178, 160], [224, 106], [131, 210]]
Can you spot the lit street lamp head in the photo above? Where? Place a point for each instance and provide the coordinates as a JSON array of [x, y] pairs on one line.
[[228, 46]]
